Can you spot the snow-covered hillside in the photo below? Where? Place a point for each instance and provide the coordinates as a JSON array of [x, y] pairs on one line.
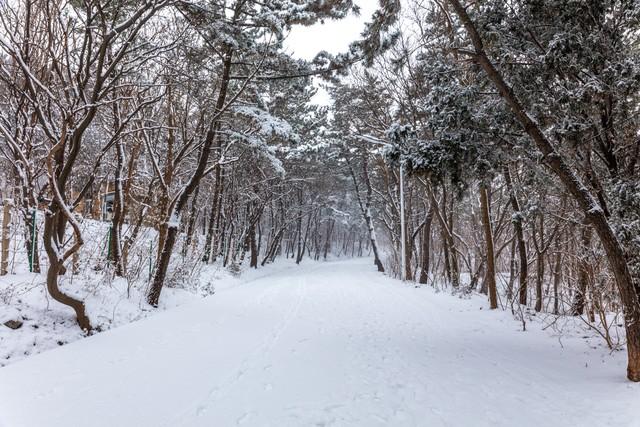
[[324, 344]]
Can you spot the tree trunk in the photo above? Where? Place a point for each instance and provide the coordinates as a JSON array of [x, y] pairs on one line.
[[584, 274], [448, 244], [273, 247], [540, 254], [299, 230], [211, 245], [6, 221], [447, 259], [426, 247], [28, 211], [516, 219], [365, 207], [211, 137], [453, 253], [512, 269], [408, 236], [56, 268], [137, 226], [557, 277], [490, 276], [539, 280], [191, 226], [304, 241], [581, 195], [253, 263], [327, 242], [115, 250]]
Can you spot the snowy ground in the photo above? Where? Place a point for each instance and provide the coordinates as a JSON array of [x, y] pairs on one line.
[[110, 302], [325, 344], [47, 324]]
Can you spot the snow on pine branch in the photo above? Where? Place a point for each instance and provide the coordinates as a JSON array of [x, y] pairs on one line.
[[269, 126], [260, 146]]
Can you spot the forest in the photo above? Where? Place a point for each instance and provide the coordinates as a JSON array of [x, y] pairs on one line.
[[474, 147]]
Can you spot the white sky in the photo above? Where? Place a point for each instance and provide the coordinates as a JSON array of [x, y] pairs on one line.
[[332, 36]]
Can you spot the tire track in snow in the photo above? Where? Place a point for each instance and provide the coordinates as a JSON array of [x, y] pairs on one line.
[[337, 345], [260, 352]]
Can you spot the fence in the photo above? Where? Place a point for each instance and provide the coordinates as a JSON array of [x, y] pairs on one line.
[[18, 257]]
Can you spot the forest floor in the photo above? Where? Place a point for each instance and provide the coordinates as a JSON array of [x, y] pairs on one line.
[[324, 344]]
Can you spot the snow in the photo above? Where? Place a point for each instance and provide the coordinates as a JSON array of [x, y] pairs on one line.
[[109, 303], [332, 343]]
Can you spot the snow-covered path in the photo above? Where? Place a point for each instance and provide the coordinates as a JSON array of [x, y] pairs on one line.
[[328, 344]]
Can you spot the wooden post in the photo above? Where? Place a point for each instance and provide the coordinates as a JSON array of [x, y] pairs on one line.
[[6, 220]]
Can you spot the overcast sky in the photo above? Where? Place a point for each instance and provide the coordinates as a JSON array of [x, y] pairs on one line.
[[332, 36]]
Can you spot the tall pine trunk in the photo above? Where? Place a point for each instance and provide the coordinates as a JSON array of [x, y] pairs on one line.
[[211, 137], [425, 252], [516, 220], [490, 276]]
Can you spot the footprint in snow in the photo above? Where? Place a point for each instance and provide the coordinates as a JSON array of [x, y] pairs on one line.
[[244, 418]]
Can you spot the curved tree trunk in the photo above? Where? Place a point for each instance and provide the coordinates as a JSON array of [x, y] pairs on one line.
[[627, 286], [56, 268]]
